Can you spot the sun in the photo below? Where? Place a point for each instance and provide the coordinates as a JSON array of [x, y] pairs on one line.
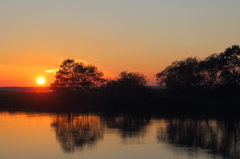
[[41, 80]]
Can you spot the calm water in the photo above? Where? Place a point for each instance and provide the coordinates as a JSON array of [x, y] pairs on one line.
[[89, 136]]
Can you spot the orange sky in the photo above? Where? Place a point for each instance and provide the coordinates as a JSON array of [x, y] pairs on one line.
[[143, 36]]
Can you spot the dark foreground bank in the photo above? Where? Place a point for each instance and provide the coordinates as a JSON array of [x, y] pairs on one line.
[[219, 102]]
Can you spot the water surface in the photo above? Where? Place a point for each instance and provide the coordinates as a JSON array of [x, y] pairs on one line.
[[35, 135]]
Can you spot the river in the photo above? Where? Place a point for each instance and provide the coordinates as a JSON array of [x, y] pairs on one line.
[[27, 135]]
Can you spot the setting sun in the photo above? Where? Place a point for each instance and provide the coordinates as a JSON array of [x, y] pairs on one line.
[[41, 81]]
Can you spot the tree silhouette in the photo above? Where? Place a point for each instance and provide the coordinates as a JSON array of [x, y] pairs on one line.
[[127, 92], [132, 78], [73, 75], [190, 74], [210, 70], [230, 66], [128, 80], [183, 74]]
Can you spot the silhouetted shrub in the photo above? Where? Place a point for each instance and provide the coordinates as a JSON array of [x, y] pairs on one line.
[[128, 91]]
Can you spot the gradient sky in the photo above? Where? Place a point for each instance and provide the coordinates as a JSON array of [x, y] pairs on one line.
[[114, 35]]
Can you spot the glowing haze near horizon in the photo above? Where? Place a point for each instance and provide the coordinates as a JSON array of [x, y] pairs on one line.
[[132, 35]]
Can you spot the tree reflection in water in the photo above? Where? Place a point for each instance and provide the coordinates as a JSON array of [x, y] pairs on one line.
[[129, 126], [76, 132], [220, 138], [216, 137]]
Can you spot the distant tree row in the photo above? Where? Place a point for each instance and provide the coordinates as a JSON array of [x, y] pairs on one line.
[[75, 76], [217, 70]]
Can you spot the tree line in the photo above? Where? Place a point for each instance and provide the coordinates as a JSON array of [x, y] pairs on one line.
[[210, 86], [215, 71], [76, 76]]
